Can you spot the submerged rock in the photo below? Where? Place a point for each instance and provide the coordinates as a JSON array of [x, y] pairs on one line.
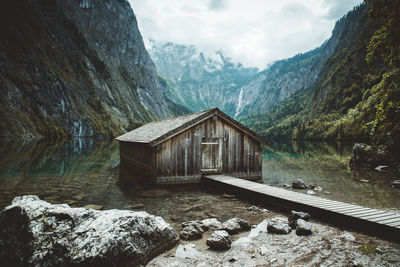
[[278, 226], [296, 215], [235, 225], [219, 240], [34, 232], [192, 230], [366, 156], [303, 227], [299, 184]]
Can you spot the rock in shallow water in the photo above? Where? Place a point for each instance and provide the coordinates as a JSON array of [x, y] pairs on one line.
[[366, 156], [192, 230], [219, 240], [299, 184], [235, 225], [35, 232]]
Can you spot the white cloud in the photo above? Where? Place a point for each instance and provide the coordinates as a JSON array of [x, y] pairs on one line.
[[253, 32]]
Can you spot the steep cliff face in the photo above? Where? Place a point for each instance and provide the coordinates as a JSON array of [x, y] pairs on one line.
[[200, 81], [74, 68], [325, 82], [286, 77]]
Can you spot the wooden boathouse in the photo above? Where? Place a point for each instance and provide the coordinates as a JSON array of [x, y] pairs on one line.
[[182, 149]]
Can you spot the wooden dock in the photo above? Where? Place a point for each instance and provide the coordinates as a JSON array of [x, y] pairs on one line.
[[372, 221]]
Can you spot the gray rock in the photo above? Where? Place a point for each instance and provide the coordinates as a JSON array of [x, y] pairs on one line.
[[366, 156], [192, 230], [381, 168], [235, 225], [211, 224], [298, 184], [396, 183], [34, 232], [219, 240], [278, 226], [303, 227], [295, 215]]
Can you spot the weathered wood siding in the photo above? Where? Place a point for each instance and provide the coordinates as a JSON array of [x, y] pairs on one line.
[[179, 159], [137, 162]]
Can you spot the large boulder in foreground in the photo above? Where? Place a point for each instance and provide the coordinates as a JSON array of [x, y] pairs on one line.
[[366, 156], [34, 232]]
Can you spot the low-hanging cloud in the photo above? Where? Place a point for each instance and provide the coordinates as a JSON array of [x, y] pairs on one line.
[[253, 32]]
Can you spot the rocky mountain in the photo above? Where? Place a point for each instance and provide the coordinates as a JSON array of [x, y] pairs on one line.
[[74, 68], [197, 80], [355, 96]]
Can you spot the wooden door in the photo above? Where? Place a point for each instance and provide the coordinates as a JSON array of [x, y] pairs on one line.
[[211, 155]]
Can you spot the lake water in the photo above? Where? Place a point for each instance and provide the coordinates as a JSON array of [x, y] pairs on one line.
[[84, 172]]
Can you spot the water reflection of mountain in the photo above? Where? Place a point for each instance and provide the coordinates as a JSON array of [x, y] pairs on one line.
[[298, 149], [51, 158]]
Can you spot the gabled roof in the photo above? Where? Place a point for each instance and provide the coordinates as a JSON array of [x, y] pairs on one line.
[[157, 132]]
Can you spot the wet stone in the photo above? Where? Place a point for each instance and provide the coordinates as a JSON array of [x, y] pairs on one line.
[[295, 215], [191, 230], [211, 224], [303, 227], [278, 226], [219, 240], [299, 184], [235, 225]]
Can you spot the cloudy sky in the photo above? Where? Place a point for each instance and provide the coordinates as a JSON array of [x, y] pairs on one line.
[[253, 32]]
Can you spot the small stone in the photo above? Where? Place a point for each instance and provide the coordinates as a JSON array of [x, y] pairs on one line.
[[364, 181], [318, 189], [211, 224], [298, 184], [310, 192], [191, 230], [219, 240], [236, 225], [93, 207], [303, 227], [137, 206], [278, 226], [381, 168], [396, 183], [295, 215], [233, 259], [286, 186]]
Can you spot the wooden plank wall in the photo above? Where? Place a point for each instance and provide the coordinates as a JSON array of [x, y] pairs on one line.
[[137, 162], [178, 160]]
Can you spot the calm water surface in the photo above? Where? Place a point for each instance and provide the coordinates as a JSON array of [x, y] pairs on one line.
[[84, 172], [327, 165]]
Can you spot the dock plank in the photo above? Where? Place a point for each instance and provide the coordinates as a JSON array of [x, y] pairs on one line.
[[378, 222]]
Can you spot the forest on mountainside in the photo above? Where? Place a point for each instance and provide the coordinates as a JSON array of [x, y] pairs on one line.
[[357, 94]]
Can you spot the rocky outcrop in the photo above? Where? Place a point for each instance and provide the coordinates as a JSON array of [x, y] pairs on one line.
[[68, 70], [36, 233], [366, 156], [200, 81], [219, 240]]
